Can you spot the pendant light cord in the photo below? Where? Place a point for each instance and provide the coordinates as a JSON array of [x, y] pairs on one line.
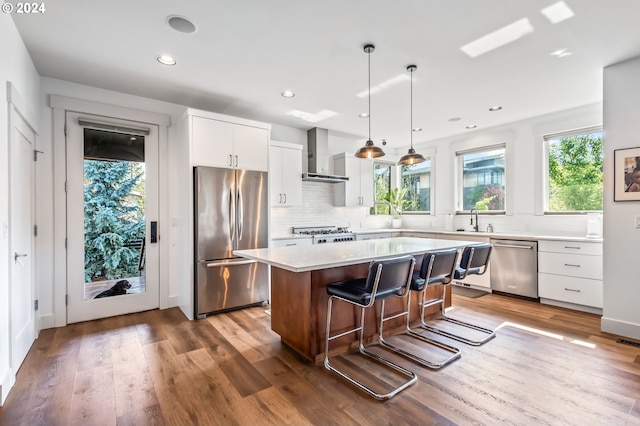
[[369, 66], [411, 109]]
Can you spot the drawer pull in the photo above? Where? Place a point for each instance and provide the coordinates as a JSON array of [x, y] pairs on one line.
[[292, 244], [572, 247], [572, 265], [570, 289]]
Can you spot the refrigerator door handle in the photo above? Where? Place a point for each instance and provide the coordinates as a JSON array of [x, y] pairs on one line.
[[240, 207], [232, 216], [230, 263]]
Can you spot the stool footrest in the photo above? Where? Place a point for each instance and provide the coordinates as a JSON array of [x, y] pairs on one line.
[[490, 334]]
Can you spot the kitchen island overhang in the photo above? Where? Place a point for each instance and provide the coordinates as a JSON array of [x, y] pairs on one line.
[[300, 275]]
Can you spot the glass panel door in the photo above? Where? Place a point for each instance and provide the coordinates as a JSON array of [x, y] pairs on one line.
[[112, 208]]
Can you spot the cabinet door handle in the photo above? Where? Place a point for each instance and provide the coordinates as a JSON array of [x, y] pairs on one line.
[[280, 202], [236, 161], [571, 289], [285, 198], [230, 161], [572, 265]]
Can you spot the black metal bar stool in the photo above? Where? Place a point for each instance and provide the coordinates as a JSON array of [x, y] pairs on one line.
[[386, 278], [474, 260], [436, 268]]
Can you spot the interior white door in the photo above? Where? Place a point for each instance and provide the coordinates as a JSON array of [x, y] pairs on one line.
[[118, 141], [23, 325]]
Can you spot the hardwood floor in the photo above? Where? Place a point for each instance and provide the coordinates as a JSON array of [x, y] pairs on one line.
[[546, 365]]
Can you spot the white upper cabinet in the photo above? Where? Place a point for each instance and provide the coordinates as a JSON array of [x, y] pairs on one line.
[[358, 191], [229, 145], [285, 174]]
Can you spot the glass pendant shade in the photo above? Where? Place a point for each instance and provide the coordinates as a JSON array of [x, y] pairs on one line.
[[369, 150], [411, 157]]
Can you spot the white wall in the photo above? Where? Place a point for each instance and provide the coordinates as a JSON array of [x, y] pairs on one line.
[[16, 66], [621, 311], [524, 152]]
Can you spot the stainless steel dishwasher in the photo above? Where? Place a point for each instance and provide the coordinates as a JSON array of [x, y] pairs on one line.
[[514, 267]]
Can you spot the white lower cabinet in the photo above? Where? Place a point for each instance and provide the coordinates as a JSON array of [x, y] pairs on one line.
[[291, 242], [570, 274]]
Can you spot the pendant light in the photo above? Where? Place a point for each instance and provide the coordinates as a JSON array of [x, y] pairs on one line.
[[369, 150], [411, 157]]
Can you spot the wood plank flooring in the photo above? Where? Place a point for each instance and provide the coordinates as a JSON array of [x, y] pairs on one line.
[[547, 366]]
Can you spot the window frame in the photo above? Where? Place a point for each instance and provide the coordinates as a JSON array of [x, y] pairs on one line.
[[391, 165], [545, 168], [459, 178], [431, 188]]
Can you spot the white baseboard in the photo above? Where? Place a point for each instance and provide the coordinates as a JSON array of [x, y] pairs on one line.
[[47, 321], [173, 301], [621, 328], [7, 382]]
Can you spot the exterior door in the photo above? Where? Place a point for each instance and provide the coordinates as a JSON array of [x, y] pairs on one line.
[[112, 213], [23, 325]]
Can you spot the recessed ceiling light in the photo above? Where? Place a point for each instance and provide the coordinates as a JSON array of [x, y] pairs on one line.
[[363, 115], [288, 94], [495, 108], [557, 12], [166, 60], [416, 129], [471, 126], [181, 24], [454, 119]]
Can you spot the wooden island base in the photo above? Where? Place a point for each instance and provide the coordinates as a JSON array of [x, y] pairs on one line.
[[299, 309]]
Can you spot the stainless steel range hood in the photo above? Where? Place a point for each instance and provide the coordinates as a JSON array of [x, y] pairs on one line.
[[318, 158]]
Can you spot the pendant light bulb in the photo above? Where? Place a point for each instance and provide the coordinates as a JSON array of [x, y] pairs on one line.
[[411, 157], [369, 150]]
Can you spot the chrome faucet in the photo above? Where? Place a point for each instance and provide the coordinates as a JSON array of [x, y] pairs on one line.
[[475, 226]]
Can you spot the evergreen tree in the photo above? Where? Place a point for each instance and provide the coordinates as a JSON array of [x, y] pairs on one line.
[[111, 218]]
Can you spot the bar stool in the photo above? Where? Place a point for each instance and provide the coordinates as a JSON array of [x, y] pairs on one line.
[[474, 260], [436, 268], [386, 278]]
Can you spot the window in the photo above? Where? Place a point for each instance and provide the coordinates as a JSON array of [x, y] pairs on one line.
[[382, 185], [417, 180], [574, 171], [481, 179]]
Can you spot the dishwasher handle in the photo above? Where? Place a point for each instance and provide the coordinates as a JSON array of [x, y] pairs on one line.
[[513, 246]]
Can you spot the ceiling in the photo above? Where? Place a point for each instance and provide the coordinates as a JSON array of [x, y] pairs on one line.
[[245, 53]]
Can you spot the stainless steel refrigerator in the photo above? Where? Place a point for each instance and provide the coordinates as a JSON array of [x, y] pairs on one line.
[[230, 214]]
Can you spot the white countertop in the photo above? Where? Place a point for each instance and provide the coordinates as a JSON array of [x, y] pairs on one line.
[[323, 256], [514, 235]]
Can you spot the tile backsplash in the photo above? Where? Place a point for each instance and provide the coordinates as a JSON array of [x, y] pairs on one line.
[[317, 210]]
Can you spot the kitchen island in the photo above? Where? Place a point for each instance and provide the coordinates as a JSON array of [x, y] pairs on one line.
[[300, 275]]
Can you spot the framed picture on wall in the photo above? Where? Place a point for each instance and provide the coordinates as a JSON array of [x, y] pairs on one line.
[[626, 176]]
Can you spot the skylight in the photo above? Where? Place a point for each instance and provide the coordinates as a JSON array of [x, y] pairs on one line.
[[498, 38]]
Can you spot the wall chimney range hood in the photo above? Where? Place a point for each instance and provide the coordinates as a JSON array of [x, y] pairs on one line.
[[318, 158]]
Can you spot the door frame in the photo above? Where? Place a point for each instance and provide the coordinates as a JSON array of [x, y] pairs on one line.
[[60, 106]]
